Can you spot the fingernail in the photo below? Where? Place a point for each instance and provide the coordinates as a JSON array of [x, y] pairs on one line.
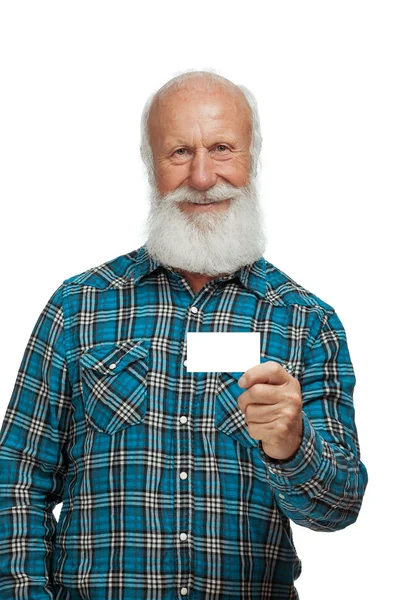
[[242, 381]]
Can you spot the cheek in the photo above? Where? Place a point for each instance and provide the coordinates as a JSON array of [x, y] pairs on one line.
[[236, 173], [168, 179]]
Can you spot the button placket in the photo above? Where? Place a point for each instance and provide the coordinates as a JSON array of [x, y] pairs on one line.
[[183, 476]]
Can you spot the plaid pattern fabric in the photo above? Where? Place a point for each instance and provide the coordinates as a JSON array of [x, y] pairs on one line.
[[165, 494]]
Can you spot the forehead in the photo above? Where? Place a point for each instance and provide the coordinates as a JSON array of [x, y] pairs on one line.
[[207, 111]]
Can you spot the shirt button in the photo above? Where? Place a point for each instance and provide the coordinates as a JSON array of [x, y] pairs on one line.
[[183, 419], [184, 591], [183, 536], [185, 362], [112, 366], [194, 309], [183, 475], [282, 496]]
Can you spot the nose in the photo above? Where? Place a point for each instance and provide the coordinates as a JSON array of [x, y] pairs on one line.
[[202, 171]]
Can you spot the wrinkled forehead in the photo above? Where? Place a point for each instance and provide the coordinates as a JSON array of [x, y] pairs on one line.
[[223, 107]]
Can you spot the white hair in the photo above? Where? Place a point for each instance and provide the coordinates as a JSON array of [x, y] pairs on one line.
[[208, 77]]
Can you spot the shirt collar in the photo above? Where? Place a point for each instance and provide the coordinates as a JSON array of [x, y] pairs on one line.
[[252, 276]]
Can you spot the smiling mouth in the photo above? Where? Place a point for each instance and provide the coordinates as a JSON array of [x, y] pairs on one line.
[[206, 203]]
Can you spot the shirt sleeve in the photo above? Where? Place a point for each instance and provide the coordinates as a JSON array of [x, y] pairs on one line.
[[323, 485], [33, 461]]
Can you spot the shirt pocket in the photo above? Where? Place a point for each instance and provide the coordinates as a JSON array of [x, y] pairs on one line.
[[114, 384], [228, 417]]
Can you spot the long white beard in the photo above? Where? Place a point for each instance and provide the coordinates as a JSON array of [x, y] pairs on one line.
[[210, 242]]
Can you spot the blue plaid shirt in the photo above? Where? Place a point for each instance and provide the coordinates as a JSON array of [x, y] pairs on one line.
[[165, 494]]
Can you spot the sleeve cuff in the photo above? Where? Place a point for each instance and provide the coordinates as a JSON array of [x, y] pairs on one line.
[[303, 466]]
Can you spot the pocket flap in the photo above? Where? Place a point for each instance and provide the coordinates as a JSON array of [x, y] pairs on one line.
[[228, 417], [110, 357]]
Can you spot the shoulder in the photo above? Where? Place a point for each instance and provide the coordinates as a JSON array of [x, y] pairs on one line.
[[107, 274], [290, 292]]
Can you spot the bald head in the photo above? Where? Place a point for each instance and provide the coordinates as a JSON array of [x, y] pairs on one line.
[[199, 83], [204, 95]]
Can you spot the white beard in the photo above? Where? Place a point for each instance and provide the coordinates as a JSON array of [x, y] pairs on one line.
[[210, 242]]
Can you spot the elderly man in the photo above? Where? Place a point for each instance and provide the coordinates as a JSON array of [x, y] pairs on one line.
[[175, 482]]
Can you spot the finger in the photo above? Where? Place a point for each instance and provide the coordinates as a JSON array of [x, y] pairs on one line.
[[275, 432], [269, 372], [256, 413], [260, 393]]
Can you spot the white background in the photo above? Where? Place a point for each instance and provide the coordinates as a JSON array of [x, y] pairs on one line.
[[74, 79]]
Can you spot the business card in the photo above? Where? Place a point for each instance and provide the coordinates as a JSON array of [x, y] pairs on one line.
[[222, 351]]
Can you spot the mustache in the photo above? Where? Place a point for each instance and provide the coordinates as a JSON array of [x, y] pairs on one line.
[[219, 192]]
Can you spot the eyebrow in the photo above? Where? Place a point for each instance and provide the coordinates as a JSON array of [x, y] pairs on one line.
[[220, 139]]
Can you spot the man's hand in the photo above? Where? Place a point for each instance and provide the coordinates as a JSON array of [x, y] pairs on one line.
[[272, 404]]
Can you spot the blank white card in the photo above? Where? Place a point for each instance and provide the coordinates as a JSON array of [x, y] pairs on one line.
[[222, 351]]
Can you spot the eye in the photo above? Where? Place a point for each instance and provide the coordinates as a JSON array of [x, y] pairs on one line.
[[221, 146], [180, 151]]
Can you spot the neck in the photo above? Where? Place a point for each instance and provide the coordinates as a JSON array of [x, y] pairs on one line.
[[198, 280]]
